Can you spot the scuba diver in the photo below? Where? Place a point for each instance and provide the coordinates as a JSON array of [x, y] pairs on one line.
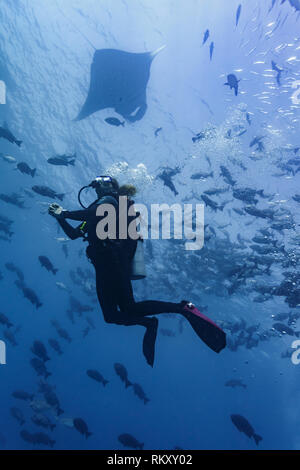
[[112, 259]]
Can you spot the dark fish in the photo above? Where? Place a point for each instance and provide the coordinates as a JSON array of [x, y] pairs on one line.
[[29, 294], [46, 263], [248, 118], [227, 175], [63, 334], [263, 214], [18, 415], [81, 426], [233, 83], [40, 351], [122, 373], [14, 269], [24, 168], [6, 134], [6, 220], [43, 421], [244, 426], [52, 400], [60, 161], [114, 121], [47, 192], [5, 321], [205, 37], [166, 176], [278, 70], [21, 395], [41, 438], [13, 199], [209, 202], [55, 345], [238, 14], [256, 141], [284, 329], [5, 230], [39, 367], [94, 374], [139, 392], [129, 441], [297, 198], [211, 50], [233, 383], [199, 136], [215, 191], [198, 176], [156, 132]]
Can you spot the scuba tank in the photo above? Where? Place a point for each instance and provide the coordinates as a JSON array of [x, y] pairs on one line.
[[138, 269]]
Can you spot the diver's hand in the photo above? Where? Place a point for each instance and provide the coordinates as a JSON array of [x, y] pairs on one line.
[[56, 210]]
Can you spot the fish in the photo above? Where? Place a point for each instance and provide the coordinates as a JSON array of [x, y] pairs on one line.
[[233, 83], [244, 426], [43, 421], [47, 192], [13, 199], [205, 37], [198, 176], [227, 175], [139, 392], [18, 415], [40, 351], [118, 80], [29, 294], [114, 122], [262, 213], [129, 441], [5, 321], [8, 158], [46, 263], [24, 168], [279, 72], [14, 269], [157, 131], [122, 373], [52, 400], [256, 141], [95, 375], [59, 161], [238, 14], [199, 136], [55, 345], [248, 118], [39, 367], [233, 383], [284, 329], [5, 133], [216, 191], [209, 202], [21, 395], [81, 427], [211, 50], [5, 230]]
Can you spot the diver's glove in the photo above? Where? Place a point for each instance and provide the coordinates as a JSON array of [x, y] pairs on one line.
[[56, 210]]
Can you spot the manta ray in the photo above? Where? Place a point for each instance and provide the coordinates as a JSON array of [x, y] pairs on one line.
[[119, 81]]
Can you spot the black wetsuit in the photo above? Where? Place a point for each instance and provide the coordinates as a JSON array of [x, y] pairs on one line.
[[112, 262]]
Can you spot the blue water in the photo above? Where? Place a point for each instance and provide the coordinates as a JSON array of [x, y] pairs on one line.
[[45, 57]]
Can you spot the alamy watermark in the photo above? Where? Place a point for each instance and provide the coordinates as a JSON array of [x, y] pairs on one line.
[[296, 95], [2, 353], [186, 223], [2, 92]]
